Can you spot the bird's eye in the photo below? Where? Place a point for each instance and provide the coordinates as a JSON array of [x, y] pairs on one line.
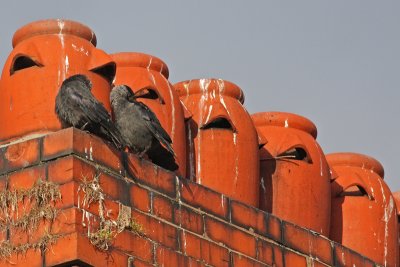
[[218, 123], [296, 153], [106, 71], [21, 62]]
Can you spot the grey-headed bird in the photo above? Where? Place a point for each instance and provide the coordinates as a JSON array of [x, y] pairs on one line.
[[76, 106], [141, 131]]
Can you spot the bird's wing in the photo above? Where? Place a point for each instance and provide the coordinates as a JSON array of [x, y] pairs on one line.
[[94, 112], [154, 125]]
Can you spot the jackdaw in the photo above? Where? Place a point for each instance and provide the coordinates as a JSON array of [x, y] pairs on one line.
[[77, 107], [141, 131]]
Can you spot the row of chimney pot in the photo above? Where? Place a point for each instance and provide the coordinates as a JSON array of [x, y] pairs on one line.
[[269, 160]]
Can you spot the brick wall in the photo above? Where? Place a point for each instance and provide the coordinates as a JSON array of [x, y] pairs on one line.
[[170, 223]]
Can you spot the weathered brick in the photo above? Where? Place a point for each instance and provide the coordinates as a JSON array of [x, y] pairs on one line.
[[231, 237], [115, 187], [243, 261], [189, 219], [347, 257], [199, 196], [58, 144], [134, 245], [73, 247], [167, 257], [248, 217], [307, 242], [69, 168], [274, 227], [149, 174], [163, 207], [157, 230], [140, 198], [30, 258], [202, 249], [293, 259], [22, 154]]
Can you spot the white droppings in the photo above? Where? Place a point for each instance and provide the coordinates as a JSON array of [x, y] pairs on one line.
[[149, 65], [91, 151], [86, 153], [184, 242], [286, 123], [170, 90], [66, 63], [343, 258], [80, 49], [236, 162], [263, 185], [62, 68], [388, 210], [222, 201], [191, 151], [209, 113]]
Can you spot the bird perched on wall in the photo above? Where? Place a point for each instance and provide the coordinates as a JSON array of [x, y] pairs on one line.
[[76, 106], [141, 131]]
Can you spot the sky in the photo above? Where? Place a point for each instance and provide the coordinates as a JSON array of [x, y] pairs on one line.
[[334, 62]]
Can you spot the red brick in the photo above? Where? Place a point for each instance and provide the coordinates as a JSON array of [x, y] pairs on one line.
[[307, 242], [274, 227], [204, 198], [93, 148], [31, 258], [242, 261], [3, 165], [69, 168], [18, 236], [26, 178], [69, 195], [75, 246], [231, 237], [188, 219], [23, 154], [168, 258], [134, 245], [248, 217], [346, 257], [278, 256], [149, 174], [138, 263], [316, 263], [269, 253], [58, 144], [162, 207], [157, 230], [140, 198], [204, 250], [293, 259], [115, 187]]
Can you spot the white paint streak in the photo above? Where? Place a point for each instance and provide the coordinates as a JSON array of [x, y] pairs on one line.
[[286, 123]]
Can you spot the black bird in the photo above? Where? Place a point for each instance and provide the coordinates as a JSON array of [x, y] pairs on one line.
[[141, 131], [77, 107]]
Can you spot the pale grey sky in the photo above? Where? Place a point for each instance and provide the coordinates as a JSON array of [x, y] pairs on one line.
[[334, 62]]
